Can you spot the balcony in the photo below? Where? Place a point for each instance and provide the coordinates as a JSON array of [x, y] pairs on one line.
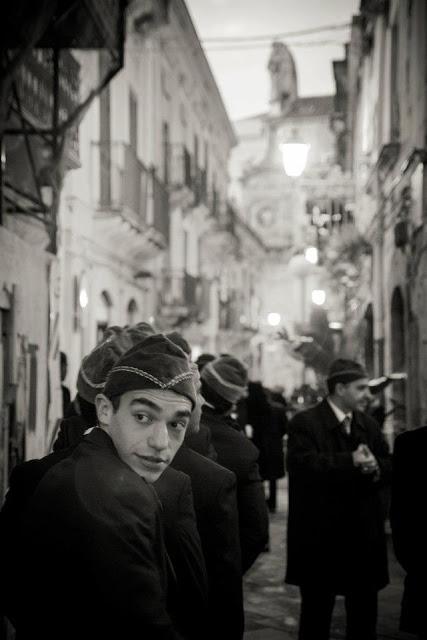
[[179, 296], [123, 183]]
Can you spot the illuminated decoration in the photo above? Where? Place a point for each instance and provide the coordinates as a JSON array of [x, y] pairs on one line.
[[318, 297]]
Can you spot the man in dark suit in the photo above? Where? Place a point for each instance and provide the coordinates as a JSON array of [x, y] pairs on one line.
[[337, 461], [94, 559], [409, 525], [223, 384]]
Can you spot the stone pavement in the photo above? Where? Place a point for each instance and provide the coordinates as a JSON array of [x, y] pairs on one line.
[[272, 608]]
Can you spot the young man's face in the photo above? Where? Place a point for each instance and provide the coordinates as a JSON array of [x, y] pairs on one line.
[[354, 394], [147, 429]]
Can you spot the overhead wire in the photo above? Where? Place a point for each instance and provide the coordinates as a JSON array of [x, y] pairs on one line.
[[273, 36]]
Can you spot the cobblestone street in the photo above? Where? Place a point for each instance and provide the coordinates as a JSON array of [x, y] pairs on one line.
[[272, 607]]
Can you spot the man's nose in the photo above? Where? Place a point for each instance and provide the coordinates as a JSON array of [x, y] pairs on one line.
[[159, 437]]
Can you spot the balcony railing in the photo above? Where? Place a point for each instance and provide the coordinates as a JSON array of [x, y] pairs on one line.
[[124, 182]]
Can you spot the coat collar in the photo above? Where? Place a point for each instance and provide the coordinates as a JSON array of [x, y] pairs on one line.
[[331, 421]]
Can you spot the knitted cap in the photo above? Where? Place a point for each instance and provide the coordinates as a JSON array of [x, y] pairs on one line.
[[227, 376], [97, 364], [203, 359], [342, 370], [154, 363]]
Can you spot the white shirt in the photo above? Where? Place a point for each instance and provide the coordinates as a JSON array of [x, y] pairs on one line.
[[341, 416]]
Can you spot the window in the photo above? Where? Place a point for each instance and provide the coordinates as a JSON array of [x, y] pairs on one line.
[[166, 152], [104, 139], [133, 120]]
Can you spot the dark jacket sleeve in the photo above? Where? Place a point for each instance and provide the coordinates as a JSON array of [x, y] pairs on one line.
[[305, 456], [403, 518], [188, 596], [253, 516], [223, 561]]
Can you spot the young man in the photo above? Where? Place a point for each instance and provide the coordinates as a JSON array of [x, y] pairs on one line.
[[94, 559], [223, 384], [337, 461]]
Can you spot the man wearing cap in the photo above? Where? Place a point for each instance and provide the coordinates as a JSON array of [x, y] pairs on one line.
[[224, 382], [94, 560], [338, 461]]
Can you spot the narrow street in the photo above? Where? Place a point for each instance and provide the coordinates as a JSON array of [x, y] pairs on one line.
[[272, 607]]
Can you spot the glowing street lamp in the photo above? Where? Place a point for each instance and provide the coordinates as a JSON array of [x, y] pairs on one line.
[[311, 254], [273, 319], [318, 297], [294, 157]]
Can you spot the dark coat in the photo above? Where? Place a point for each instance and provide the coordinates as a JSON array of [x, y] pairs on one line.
[[238, 454], [409, 524], [70, 432], [188, 591], [214, 494], [94, 561], [335, 526]]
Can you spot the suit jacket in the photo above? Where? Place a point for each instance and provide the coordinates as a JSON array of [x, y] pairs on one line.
[[335, 523], [93, 555], [409, 524], [214, 493], [238, 454]]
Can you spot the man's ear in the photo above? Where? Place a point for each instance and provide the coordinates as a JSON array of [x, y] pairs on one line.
[[104, 410], [339, 388]]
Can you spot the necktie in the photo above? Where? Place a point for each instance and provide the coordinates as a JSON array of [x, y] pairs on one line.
[[346, 426]]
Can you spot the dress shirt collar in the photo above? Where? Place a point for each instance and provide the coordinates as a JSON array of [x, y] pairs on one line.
[[340, 415]]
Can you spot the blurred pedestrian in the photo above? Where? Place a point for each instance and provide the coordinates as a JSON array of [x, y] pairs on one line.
[[224, 382], [66, 396], [268, 421], [409, 526], [337, 462]]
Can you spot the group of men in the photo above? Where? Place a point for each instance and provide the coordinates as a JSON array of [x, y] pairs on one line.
[[144, 519], [130, 528], [339, 476]]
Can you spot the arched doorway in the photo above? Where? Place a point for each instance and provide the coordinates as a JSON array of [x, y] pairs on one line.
[[398, 360]]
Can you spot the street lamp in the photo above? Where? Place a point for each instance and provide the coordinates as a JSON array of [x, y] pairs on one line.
[[273, 319], [318, 297], [311, 254], [294, 157]]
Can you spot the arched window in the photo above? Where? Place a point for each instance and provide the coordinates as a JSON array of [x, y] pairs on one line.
[[103, 314], [132, 312]]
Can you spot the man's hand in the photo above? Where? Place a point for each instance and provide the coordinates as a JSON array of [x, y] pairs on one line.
[[365, 460]]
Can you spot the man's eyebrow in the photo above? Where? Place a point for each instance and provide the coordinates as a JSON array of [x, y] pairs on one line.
[[148, 403], [184, 413]]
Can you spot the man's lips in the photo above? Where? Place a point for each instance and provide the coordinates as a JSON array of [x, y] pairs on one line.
[[153, 460]]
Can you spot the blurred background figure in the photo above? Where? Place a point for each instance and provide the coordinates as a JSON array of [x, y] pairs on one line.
[[66, 397], [203, 360], [268, 421]]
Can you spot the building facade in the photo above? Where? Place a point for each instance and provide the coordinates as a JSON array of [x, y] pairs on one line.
[[289, 214], [152, 183], [386, 129]]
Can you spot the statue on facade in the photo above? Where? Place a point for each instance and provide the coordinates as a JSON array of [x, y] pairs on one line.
[[283, 76]]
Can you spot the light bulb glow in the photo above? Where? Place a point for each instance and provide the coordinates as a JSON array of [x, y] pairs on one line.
[[294, 157], [318, 297], [273, 319], [83, 298], [311, 254]]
